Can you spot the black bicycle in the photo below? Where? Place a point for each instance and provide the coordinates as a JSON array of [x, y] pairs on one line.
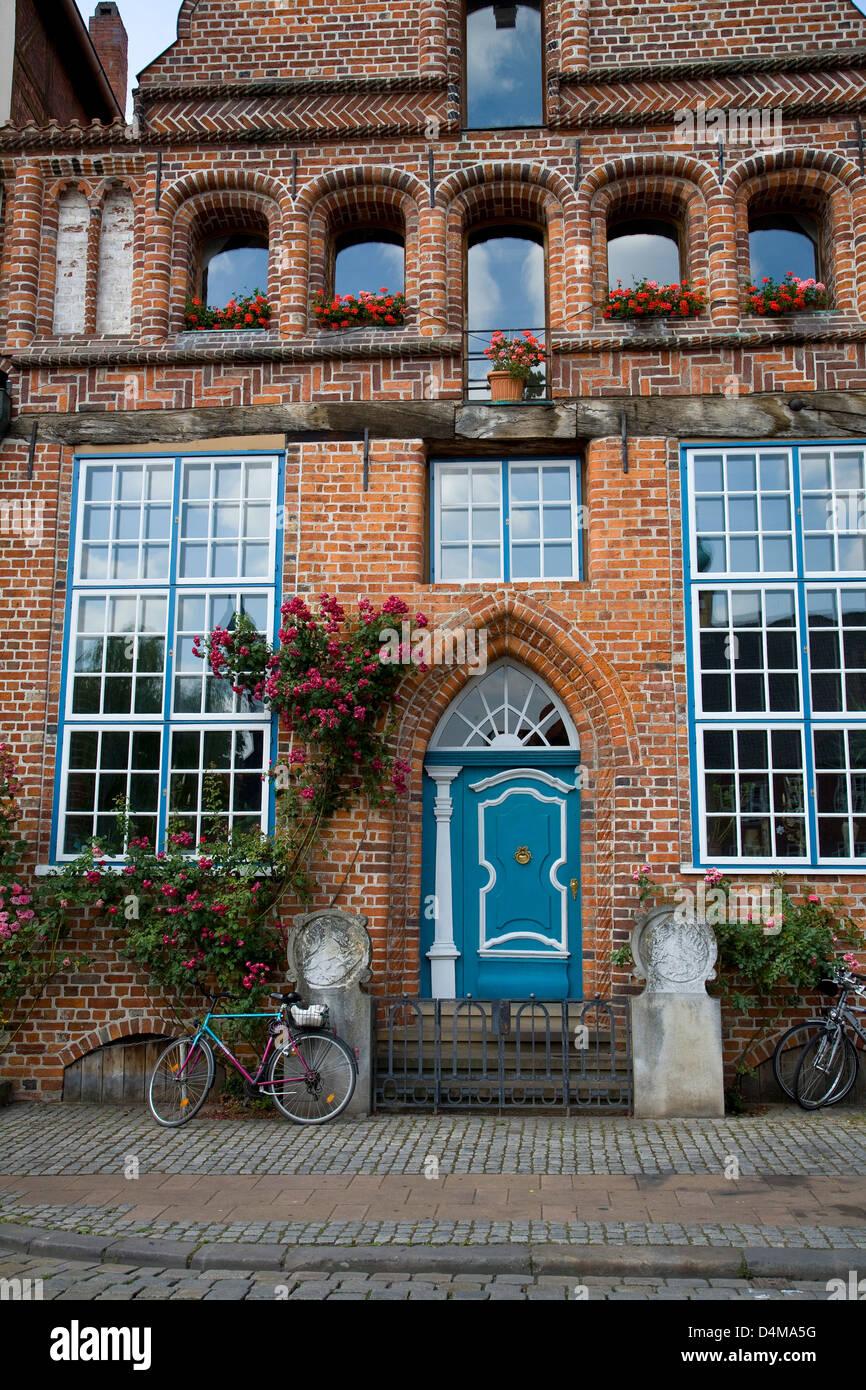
[[829, 1062]]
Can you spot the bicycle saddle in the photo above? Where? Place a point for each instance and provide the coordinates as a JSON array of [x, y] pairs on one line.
[[287, 997]]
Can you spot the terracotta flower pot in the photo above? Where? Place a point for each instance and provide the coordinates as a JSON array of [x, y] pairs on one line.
[[505, 387]]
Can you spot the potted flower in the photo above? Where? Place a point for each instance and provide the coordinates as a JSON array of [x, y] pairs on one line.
[[364, 310], [646, 299], [789, 296], [512, 361]]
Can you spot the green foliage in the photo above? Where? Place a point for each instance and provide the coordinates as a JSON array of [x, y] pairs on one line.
[[334, 691], [31, 930], [206, 911]]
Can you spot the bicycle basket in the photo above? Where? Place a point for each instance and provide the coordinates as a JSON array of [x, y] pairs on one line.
[[314, 1016]]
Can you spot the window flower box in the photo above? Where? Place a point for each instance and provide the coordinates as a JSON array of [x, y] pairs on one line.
[[365, 310], [250, 312], [790, 296], [646, 299]]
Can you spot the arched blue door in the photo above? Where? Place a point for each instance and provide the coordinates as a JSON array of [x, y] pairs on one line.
[[501, 892]]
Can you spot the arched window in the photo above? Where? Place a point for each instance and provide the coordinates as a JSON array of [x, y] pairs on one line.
[[508, 707], [233, 265], [70, 284], [368, 259], [779, 242], [505, 292], [504, 65], [643, 248]]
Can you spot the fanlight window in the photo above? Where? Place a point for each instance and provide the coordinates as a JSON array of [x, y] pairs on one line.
[[506, 708]]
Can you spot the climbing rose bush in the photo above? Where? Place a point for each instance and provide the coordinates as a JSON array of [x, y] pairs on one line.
[[31, 927], [206, 910], [333, 693]]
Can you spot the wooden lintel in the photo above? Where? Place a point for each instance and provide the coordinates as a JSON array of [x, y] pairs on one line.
[[808, 415]]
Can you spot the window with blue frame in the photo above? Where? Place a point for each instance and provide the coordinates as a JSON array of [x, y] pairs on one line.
[[165, 549], [505, 519], [776, 580]]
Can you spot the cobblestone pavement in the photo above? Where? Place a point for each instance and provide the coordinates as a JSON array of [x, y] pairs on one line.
[[124, 1221], [75, 1138], [70, 1280], [799, 1180]]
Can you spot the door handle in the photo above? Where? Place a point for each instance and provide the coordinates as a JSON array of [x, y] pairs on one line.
[[574, 885]]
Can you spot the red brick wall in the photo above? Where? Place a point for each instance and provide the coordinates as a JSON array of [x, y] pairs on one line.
[[611, 646]]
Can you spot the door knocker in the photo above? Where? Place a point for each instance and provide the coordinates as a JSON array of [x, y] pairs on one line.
[[522, 854]]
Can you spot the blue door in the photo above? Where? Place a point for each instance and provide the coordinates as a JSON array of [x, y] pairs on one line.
[[515, 871]]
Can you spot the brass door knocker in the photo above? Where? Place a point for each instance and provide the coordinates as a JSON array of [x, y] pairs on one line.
[[522, 855]]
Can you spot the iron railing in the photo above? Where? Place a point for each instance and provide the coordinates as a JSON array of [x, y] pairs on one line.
[[476, 1054], [476, 365]]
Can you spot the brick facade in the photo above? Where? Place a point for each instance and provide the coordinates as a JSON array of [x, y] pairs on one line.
[[299, 122]]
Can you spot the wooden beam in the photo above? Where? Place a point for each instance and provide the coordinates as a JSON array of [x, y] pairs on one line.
[[809, 415]]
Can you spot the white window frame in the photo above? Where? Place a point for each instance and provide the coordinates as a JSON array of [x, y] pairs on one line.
[[802, 581], [171, 586], [505, 466]]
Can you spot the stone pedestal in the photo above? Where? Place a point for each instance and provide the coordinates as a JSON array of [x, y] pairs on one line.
[[329, 958], [676, 1026]]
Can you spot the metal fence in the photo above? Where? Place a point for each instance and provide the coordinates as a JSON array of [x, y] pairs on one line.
[[477, 1054]]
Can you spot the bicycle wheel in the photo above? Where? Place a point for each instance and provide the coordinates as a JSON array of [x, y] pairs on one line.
[[320, 1097], [786, 1057], [180, 1081], [827, 1070]]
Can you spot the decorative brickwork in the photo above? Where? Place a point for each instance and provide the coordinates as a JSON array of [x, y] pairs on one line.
[[303, 121]]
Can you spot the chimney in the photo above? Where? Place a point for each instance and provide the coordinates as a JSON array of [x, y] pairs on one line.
[[110, 41]]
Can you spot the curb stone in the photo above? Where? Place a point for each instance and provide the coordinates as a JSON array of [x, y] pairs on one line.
[[569, 1261]]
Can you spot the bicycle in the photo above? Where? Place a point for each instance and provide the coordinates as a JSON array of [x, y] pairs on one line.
[[308, 1072], [789, 1049], [829, 1063]]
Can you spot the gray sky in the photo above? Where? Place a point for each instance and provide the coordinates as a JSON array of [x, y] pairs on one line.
[[151, 26]]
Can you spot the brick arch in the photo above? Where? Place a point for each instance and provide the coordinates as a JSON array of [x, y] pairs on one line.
[[221, 180], [535, 636], [356, 176], [477, 175], [648, 194], [770, 183], [207, 214], [185, 18], [803, 158], [366, 205], [672, 166], [507, 193], [169, 261], [115, 1032]]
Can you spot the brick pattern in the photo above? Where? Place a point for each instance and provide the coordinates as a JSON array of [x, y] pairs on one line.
[[611, 646]]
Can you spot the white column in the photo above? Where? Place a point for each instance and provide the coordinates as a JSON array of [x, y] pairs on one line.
[[443, 953]]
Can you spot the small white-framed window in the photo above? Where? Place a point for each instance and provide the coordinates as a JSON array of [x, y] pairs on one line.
[[166, 549], [506, 519], [776, 587]]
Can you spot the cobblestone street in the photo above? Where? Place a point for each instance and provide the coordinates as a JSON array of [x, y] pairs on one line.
[[101, 1203], [69, 1280]]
